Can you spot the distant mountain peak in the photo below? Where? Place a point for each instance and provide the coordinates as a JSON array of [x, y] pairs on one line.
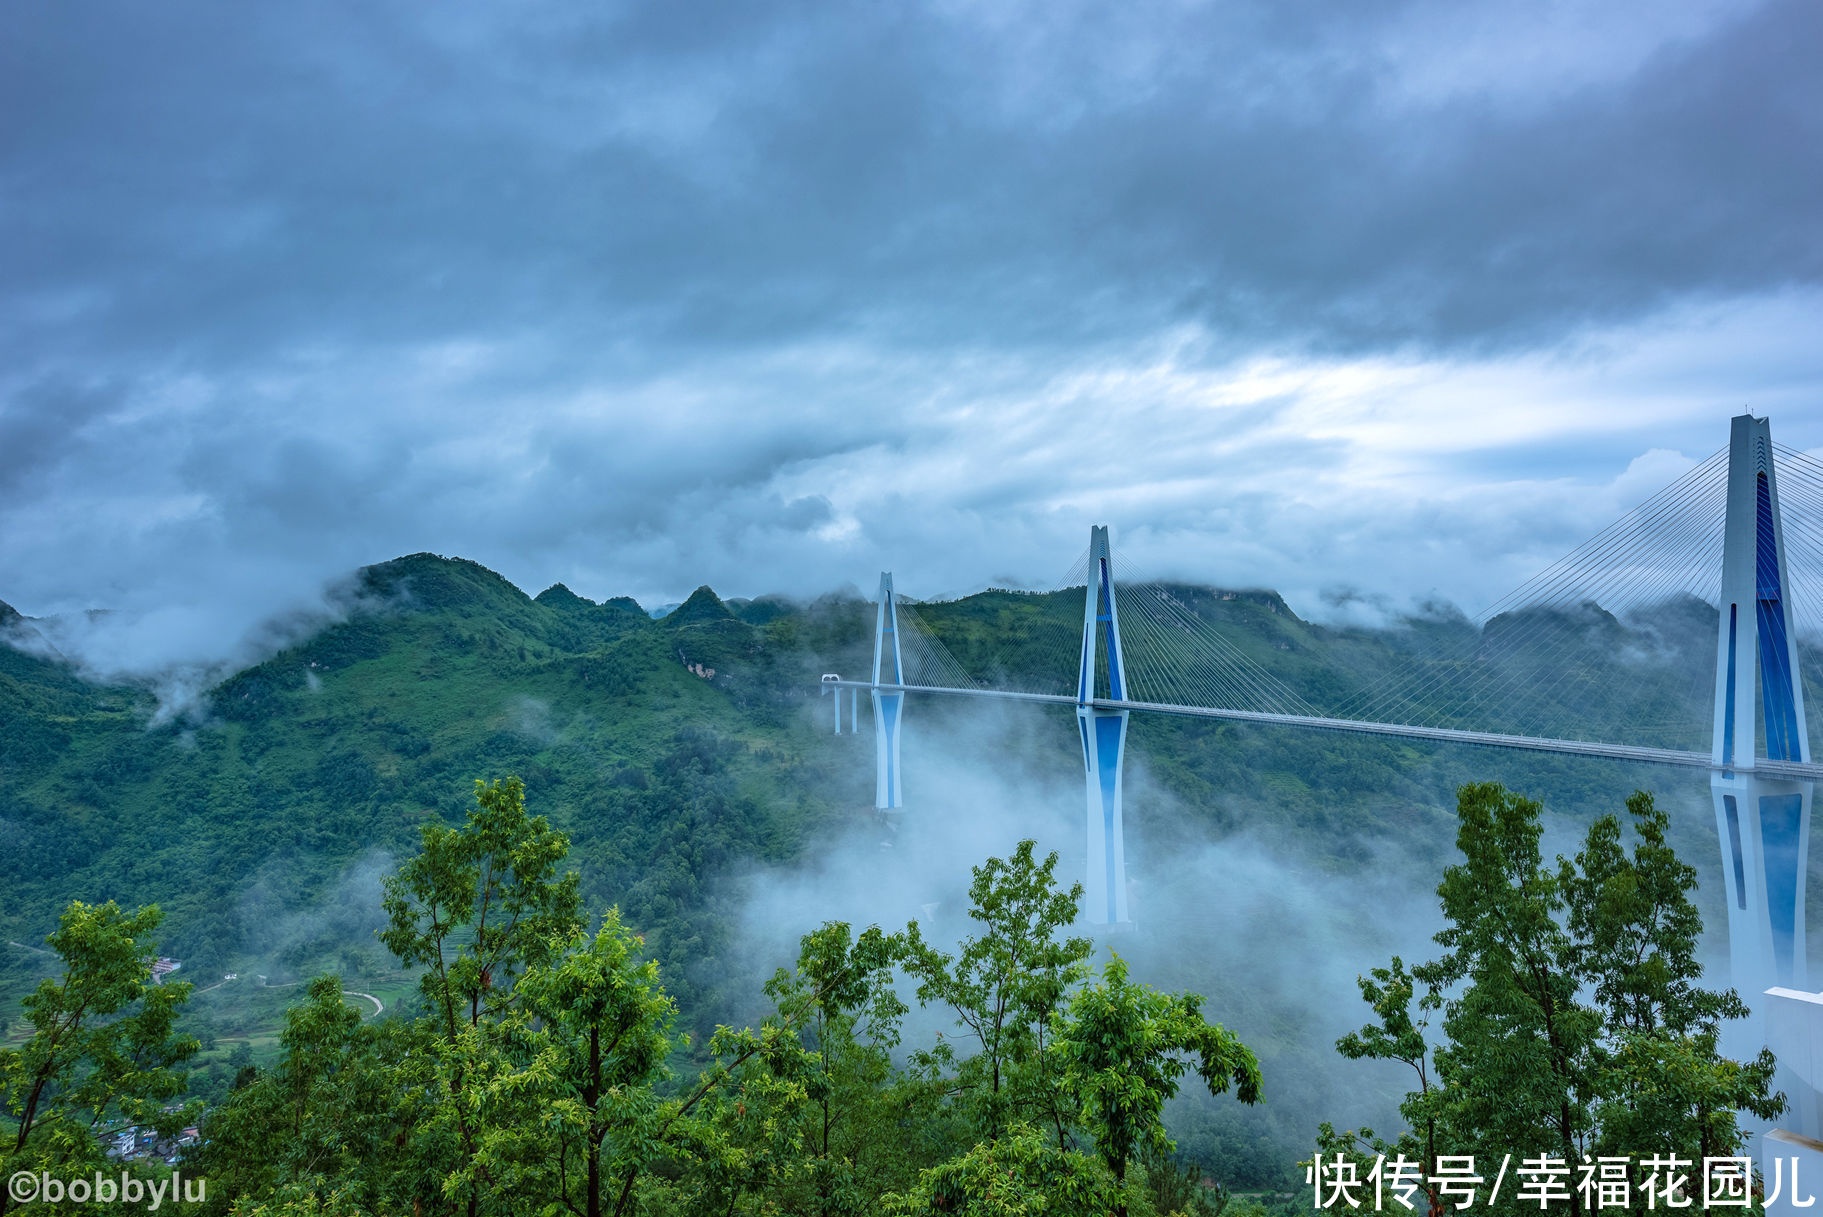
[[434, 581], [702, 606], [762, 609], [559, 596]]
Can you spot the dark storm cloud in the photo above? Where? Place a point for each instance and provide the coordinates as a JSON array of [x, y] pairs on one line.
[[214, 179], [41, 427]]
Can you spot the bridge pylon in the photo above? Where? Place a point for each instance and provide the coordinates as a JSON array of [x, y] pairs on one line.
[[1104, 740], [1763, 822], [889, 707]]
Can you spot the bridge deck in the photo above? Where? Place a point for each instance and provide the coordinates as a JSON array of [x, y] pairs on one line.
[[1797, 770]]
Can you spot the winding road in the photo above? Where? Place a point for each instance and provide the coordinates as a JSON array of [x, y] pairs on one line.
[[379, 1007]]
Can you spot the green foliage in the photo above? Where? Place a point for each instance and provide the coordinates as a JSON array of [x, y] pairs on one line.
[[330, 1112], [539, 1071], [258, 802], [1520, 1063], [811, 1117], [1122, 1050], [1636, 928], [479, 906], [1100, 1059], [550, 1087], [298, 1201], [1004, 986], [1663, 1084], [102, 1047], [1572, 1023], [1179, 1188], [600, 1027], [1020, 1174], [850, 1119], [251, 806], [495, 879], [1404, 1015], [535, 1077]]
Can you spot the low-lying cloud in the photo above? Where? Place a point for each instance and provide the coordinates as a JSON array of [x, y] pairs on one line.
[[1265, 929]]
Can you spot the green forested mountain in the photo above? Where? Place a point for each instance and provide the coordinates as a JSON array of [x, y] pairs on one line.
[[679, 751], [248, 810]]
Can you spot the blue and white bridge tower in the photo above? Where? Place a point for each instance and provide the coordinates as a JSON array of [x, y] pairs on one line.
[[1104, 740], [889, 707], [1763, 821]]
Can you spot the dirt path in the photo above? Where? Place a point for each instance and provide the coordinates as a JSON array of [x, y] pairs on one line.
[[33, 950]]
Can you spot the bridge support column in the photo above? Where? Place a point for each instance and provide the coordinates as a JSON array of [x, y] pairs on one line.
[[1763, 823], [1104, 741], [888, 706]]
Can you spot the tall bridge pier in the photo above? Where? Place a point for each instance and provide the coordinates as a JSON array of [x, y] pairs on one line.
[[889, 704], [1104, 740]]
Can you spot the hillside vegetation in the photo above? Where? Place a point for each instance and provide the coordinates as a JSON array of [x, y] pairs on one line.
[[262, 820]]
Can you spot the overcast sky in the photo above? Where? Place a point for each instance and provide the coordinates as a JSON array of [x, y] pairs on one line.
[[1402, 297]]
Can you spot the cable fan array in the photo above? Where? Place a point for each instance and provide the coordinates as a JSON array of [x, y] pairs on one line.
[[1616, 637], [1000, 639], [1615, 641], [1800, 485], [1173, 655], [927, 661], [1177, 657]]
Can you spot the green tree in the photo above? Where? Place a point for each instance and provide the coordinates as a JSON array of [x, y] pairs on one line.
[[328, 1116], [601, 1034], [241, 1066], [103, 1045], [1521, 1057], [741, 1125], [1019, 1175], [1178, 1188], [296, 1200], [477, 907], [1664, 1086], [853, 1141], [1004, 985], [819, 1122], [533, 1082], [1636, 928], [1399, 1035], [1573, 1023], [1121, 1051], [495, 878]]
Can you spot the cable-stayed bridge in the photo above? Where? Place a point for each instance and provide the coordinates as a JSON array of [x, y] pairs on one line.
[[1727, 557]]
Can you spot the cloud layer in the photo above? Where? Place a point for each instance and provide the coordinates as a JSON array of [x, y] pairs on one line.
[[1403, 299]]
